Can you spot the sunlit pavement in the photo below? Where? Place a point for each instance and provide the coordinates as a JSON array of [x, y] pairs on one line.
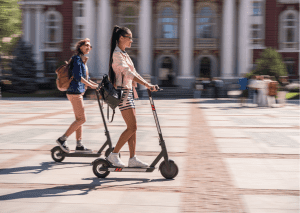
[[230, 158]]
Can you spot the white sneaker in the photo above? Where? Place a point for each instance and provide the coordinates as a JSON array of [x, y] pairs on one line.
[[115, 160], [135, 162]]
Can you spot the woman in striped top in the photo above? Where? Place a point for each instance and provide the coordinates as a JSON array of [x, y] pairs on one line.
[[123, 75]]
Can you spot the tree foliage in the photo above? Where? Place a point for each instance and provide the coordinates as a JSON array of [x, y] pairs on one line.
[[270, 63], [10, 23], [23, 70]]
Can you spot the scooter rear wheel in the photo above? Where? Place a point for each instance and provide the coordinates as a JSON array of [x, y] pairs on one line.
[[56, 154], [100, 163], [168, 173]]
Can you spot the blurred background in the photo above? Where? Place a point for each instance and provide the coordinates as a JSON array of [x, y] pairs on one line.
[[183, 46]]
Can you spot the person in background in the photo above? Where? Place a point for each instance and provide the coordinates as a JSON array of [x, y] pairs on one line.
[[218, 84], [243, 82], [281, 99], [253, 89], [272, 91], [262, 92]]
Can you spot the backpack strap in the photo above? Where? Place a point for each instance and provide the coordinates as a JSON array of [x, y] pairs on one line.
[[114, 111], [112, 118]]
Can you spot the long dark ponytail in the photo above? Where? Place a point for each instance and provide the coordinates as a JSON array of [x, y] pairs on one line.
[[117, 32]]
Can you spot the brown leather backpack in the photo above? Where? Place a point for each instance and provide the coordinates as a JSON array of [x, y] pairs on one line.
[[272, 86], [63, 81]]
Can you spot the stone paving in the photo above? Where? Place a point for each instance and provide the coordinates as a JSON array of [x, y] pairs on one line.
[[230, 158]]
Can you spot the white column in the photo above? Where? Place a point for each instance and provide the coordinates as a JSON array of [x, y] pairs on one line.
[[89, 32], [244, 41], [227, 51], [37, 44], [145, 41], [186, 44], [26, 29], [104, 36]]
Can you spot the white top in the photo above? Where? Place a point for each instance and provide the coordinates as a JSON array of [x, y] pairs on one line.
[[123, 66]]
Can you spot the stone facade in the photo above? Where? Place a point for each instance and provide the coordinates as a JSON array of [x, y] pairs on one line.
[[175, 41]]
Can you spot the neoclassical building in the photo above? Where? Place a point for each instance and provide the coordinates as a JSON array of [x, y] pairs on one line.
[[174, 41]]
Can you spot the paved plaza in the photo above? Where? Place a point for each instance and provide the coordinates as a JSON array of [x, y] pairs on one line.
[[230, 158]]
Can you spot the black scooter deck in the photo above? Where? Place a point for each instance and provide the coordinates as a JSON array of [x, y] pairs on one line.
[[127, 169], [82, 154]]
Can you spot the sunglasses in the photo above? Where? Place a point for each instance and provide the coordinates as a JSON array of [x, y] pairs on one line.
[[87, 45], [128, 37]]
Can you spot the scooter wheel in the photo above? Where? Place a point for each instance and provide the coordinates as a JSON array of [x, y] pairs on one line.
[[100, 163], [56, 154], [168, 173], [109, 150]]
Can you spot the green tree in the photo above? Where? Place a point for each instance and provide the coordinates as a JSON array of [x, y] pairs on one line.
[[270, 63], [23, 70], [10, 24]]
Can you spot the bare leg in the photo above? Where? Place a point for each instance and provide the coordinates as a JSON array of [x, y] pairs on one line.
[[132, 145], [78, 108], [129, 134]]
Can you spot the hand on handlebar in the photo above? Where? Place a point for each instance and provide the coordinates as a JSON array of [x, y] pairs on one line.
[[95, 86], [153, 88]]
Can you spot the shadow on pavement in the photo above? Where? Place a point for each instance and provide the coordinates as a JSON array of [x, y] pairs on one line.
[[59, 191], [36, 169], [212, 101]]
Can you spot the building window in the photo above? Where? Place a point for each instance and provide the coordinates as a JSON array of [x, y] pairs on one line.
[[129, 19], [289, 30], [50, 66], [80, 33], [256, 34], [168, 23], [80, 9], [53, 29], [78, 21], [290, 66], [257, 9], [205, 23]]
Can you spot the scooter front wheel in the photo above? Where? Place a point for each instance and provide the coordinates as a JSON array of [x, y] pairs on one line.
[[168, 173], [97, 165], [56, 154]]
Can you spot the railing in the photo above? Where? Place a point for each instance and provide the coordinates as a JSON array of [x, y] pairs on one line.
[[290, 45], [206, 43], [52, 45], [166, 43], [135, 43]]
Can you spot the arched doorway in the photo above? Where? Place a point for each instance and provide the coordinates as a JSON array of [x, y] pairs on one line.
[[205, 68], [166, 73]]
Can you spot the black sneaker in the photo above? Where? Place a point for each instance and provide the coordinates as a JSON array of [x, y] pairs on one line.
[[63, 145], [82, 148]]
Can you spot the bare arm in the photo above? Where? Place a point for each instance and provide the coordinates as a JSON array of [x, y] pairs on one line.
[[141, 81], [87, 83], [92, 82]]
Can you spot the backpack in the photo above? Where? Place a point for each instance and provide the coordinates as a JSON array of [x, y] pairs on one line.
[[110, 95], [272, 88], [63, 79]]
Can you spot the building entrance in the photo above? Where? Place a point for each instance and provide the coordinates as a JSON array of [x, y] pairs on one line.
[[166, 73], [205, 68]]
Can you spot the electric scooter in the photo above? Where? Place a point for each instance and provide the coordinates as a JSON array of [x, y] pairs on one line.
[[59, 155], [168, 168]]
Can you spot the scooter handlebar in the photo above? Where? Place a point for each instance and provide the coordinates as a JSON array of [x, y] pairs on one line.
[[157, 88]]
